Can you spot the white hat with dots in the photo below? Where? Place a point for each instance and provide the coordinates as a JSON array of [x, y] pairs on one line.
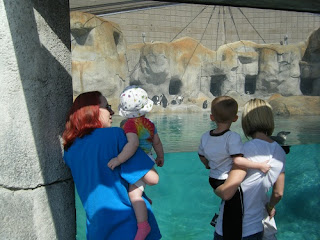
[[134, 102]]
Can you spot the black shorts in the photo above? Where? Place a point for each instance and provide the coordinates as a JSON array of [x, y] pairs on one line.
[[232, 213], [215, 182]]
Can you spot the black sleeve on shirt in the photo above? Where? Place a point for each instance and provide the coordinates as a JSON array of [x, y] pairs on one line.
[[237, 155]]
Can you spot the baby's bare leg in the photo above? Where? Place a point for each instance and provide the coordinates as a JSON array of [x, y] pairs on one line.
[[151, 177], [141, 212], [139, 206]]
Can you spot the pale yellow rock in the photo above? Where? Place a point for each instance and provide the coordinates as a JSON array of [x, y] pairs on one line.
[[282, 74]]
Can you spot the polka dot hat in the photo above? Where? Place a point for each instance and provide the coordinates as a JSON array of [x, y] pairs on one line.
[[134, 102]]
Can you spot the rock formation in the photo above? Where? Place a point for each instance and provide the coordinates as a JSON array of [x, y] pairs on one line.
[[310, 66], [98, 55], [186, 70], [295, 105]]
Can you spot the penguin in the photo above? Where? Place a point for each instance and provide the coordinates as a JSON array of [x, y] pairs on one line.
[[281, 137], [281, 140], [205, 104], [179, 99], [156, 100], [163, 100]]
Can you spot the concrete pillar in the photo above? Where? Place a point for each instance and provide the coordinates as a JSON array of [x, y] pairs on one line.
[[36, 190]]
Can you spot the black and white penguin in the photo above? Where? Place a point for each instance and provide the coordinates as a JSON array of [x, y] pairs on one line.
[[281, 140], [281, 137], [205, 104], [163, 100], [156, 100]]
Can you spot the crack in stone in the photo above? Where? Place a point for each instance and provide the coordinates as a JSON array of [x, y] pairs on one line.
[[33, 188]]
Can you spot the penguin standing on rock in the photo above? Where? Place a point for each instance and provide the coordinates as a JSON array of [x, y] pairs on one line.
[[156, 100], [163, 100], [205, 104]]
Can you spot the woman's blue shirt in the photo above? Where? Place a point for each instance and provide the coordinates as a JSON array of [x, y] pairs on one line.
[[103, 192]]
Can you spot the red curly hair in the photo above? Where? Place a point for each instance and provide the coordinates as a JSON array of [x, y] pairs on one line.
[[83, 117]]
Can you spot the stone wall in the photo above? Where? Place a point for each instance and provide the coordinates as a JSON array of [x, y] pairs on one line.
[[36, 189]]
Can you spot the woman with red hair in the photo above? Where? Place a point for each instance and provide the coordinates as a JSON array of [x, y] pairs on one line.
[[89, 143]]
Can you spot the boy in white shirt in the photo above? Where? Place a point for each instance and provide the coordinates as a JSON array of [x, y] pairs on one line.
[[219, 149]]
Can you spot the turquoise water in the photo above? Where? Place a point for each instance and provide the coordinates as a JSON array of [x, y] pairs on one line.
[[183, 201], [182, 132]]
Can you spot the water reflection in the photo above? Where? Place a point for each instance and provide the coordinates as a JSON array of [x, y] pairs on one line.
[[182, 132], [304, 129]]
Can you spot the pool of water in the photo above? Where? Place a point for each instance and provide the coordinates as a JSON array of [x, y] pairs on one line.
[[183, 201], [182, 132]]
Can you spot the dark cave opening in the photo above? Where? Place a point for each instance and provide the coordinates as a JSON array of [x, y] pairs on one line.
[[250, 84], [216, 84], [175, 86]]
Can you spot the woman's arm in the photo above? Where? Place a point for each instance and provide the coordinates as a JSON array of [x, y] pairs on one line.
[[128, 150], [277, 194], [230, 186]]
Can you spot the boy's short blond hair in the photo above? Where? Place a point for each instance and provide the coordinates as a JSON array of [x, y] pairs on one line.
[[224, 109], [257, 116]]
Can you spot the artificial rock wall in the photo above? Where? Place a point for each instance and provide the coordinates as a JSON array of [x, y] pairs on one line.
[[185, 69]]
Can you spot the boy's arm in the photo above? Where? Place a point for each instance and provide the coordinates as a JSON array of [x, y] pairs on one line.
[[204, 161], [244, 162], [128, 150], [158, 148]]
